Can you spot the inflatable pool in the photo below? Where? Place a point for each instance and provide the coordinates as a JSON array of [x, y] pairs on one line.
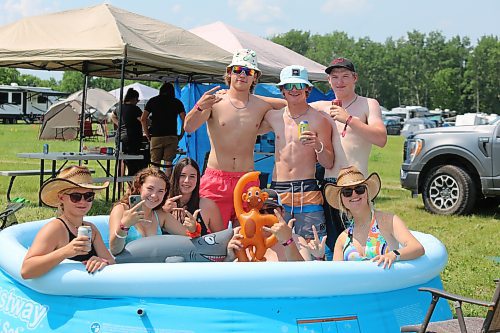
[[215, 297]]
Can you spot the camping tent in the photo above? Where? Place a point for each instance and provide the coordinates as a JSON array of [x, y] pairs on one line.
[[145, 93], [61, 120], [272, 57]]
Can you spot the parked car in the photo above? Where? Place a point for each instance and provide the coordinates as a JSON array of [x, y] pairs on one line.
[[454, 168], [414, 125], [393, 125]]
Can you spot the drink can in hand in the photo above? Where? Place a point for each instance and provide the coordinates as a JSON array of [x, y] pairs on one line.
[[85, 230], [303, 127], [337, 102]]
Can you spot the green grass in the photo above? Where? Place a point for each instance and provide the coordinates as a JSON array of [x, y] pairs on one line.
[[470, 240]]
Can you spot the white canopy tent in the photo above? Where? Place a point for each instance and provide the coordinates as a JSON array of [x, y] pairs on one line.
[[62, 119], [145, 93], [272, 57]]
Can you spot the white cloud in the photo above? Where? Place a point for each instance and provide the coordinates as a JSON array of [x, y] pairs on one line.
[[12, 10], [339, 6], [176, 8], [256, 10]]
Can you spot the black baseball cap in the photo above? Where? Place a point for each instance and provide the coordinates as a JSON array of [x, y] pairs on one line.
[[273, 200], [340, 63]]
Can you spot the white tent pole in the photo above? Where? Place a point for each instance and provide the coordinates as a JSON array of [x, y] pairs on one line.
[[117, 132]]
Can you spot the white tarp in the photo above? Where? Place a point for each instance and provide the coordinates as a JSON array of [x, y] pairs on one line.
[[272, 57], [145, 93], [62, 119]]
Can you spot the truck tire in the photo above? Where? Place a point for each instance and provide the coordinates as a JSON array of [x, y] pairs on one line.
[[449, 190]]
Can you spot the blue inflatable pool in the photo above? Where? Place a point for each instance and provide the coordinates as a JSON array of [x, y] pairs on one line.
[[215, 297]]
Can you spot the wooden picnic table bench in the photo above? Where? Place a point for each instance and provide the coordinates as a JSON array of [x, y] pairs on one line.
[[21, 173]]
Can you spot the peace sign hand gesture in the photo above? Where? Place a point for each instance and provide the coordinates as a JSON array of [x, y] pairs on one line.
[[190, 220], [316, 248]]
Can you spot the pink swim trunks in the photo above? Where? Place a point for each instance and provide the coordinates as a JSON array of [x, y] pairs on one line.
[[219, 186]]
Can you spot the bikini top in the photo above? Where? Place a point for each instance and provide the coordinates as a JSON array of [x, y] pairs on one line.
[[80, 257], [375, 243], [134, 234]]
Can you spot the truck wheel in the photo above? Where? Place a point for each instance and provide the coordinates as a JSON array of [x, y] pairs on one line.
[[449, 190]]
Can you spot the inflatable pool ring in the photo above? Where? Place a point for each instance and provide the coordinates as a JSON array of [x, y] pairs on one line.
[[177, 248], [251, 222]]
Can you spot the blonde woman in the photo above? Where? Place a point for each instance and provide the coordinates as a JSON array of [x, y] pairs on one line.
[[72, 192]]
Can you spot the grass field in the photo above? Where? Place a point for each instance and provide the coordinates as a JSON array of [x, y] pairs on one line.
[[472, 241]]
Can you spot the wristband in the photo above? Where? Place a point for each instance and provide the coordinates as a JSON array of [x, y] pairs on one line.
[[346, 124], [196, 233], [118, 236], [198, 107], [321, 149], [123, 227], [319, 258], [288, 242], [396, 252]]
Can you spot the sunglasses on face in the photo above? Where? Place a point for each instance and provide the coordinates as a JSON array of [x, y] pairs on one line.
[[77, 197], [240, 69], [347, 191], [297, 86]]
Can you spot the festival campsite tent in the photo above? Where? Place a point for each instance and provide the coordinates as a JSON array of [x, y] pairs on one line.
[[61, 120], [145, 93]]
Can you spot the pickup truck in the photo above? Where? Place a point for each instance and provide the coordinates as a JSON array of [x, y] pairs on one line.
[[454, 168]]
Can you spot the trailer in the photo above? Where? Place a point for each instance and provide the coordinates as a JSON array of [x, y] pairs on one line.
[[26, 103]]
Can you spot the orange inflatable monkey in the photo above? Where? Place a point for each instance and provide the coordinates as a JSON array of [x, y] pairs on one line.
[[252, 221]]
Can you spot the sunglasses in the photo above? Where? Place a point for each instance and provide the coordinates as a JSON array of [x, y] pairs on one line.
[[240, 69], [297, 86], [77, 197], [347, 191]]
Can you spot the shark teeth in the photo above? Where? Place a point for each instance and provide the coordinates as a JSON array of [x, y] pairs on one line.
[[214, 258]]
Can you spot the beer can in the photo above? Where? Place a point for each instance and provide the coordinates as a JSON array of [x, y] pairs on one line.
[[85, 230], [303, 127], [46, 148], [337, 102], [110, 151]]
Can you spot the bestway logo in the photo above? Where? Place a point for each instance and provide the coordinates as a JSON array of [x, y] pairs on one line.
[[22, 308]]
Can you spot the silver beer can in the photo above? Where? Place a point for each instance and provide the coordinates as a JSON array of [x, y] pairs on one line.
[[85, 230]]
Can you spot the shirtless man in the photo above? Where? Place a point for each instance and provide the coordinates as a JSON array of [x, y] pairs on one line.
[[296, 155], [357, 125], [233, 120]]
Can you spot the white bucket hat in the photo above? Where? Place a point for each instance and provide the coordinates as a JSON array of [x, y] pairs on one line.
[[246, 58]]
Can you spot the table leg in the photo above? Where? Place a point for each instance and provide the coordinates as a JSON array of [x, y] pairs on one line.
[[42, 169], [108, 164]]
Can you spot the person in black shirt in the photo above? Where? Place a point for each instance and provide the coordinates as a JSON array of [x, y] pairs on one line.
[[131, 130], [162, 134]]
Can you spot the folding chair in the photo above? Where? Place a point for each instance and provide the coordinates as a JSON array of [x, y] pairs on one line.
[[12, 207]]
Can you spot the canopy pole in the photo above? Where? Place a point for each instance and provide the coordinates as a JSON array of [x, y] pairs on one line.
[[117, 132], [84, 101]]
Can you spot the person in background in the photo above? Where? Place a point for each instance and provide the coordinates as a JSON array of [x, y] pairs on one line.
[[371, 234], [72, 192], [184, 193], [290, 247], [131, 130], [164, 110], [357, 125], [147, 218], [233, 121]]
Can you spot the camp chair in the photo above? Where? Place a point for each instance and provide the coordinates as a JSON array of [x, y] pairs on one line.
[[463, 325], [12, 207]]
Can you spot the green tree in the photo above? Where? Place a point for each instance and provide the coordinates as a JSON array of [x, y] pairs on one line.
[[9, 75], [71, 82]]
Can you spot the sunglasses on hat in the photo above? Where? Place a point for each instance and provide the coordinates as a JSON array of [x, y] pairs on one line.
[[297, 86], [347, 191], [240, 69], [77, 197]]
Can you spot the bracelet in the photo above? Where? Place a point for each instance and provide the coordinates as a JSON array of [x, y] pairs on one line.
[[346, 124], [321, 150], [398, 255], [121, 237], [123, 227], [288, 242], [318, 258], [196, 233], [198, 107]]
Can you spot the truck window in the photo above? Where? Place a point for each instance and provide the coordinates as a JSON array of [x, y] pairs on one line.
[[4, 97], [16, 98], [41, 99]]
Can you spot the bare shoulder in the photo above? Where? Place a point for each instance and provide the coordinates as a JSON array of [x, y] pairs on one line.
[[385, 220], [321, 105]]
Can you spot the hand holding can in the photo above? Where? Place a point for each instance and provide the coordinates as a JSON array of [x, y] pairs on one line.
[[303, 127], [86, 231], [337, 102]]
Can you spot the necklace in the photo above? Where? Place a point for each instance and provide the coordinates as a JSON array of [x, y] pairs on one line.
[[298, 115], [238, 108], [354, 100]]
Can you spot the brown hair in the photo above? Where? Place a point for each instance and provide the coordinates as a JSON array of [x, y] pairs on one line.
[[139, 180], [194, 202]]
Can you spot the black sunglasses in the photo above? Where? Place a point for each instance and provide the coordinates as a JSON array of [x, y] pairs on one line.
[[76, 197], [347, 191]]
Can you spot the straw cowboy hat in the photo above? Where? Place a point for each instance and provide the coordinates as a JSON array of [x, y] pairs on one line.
[[71, 177], [349, 177]]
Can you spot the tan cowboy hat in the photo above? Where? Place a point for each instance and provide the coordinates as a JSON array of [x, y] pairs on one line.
[[70, 177], [348, 177]]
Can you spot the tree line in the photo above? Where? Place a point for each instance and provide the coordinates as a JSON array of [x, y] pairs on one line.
[[419, 69]]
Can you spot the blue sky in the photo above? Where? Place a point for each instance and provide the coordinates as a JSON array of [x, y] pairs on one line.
[[376, 19]]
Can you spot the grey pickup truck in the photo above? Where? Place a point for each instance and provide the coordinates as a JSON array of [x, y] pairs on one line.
[[453, 167]]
